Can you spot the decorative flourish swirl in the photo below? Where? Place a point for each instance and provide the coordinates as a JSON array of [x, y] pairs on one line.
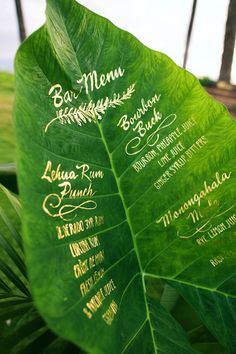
[[90, 112], [202, 228], [62, 210], [132, 148]]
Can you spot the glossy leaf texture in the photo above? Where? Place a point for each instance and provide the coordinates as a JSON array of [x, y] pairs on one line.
[[127, 175]]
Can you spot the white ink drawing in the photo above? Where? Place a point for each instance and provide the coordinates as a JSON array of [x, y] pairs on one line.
[[92, 111]]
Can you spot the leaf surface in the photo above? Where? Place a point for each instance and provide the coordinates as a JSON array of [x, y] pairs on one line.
[[127, 174]]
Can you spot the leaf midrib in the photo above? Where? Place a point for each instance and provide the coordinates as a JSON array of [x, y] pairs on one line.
[[132, 234]]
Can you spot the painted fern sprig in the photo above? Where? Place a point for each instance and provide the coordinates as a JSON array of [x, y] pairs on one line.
[[91, 111]]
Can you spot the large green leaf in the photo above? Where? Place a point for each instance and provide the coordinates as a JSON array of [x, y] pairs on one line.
[[127, 175]]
